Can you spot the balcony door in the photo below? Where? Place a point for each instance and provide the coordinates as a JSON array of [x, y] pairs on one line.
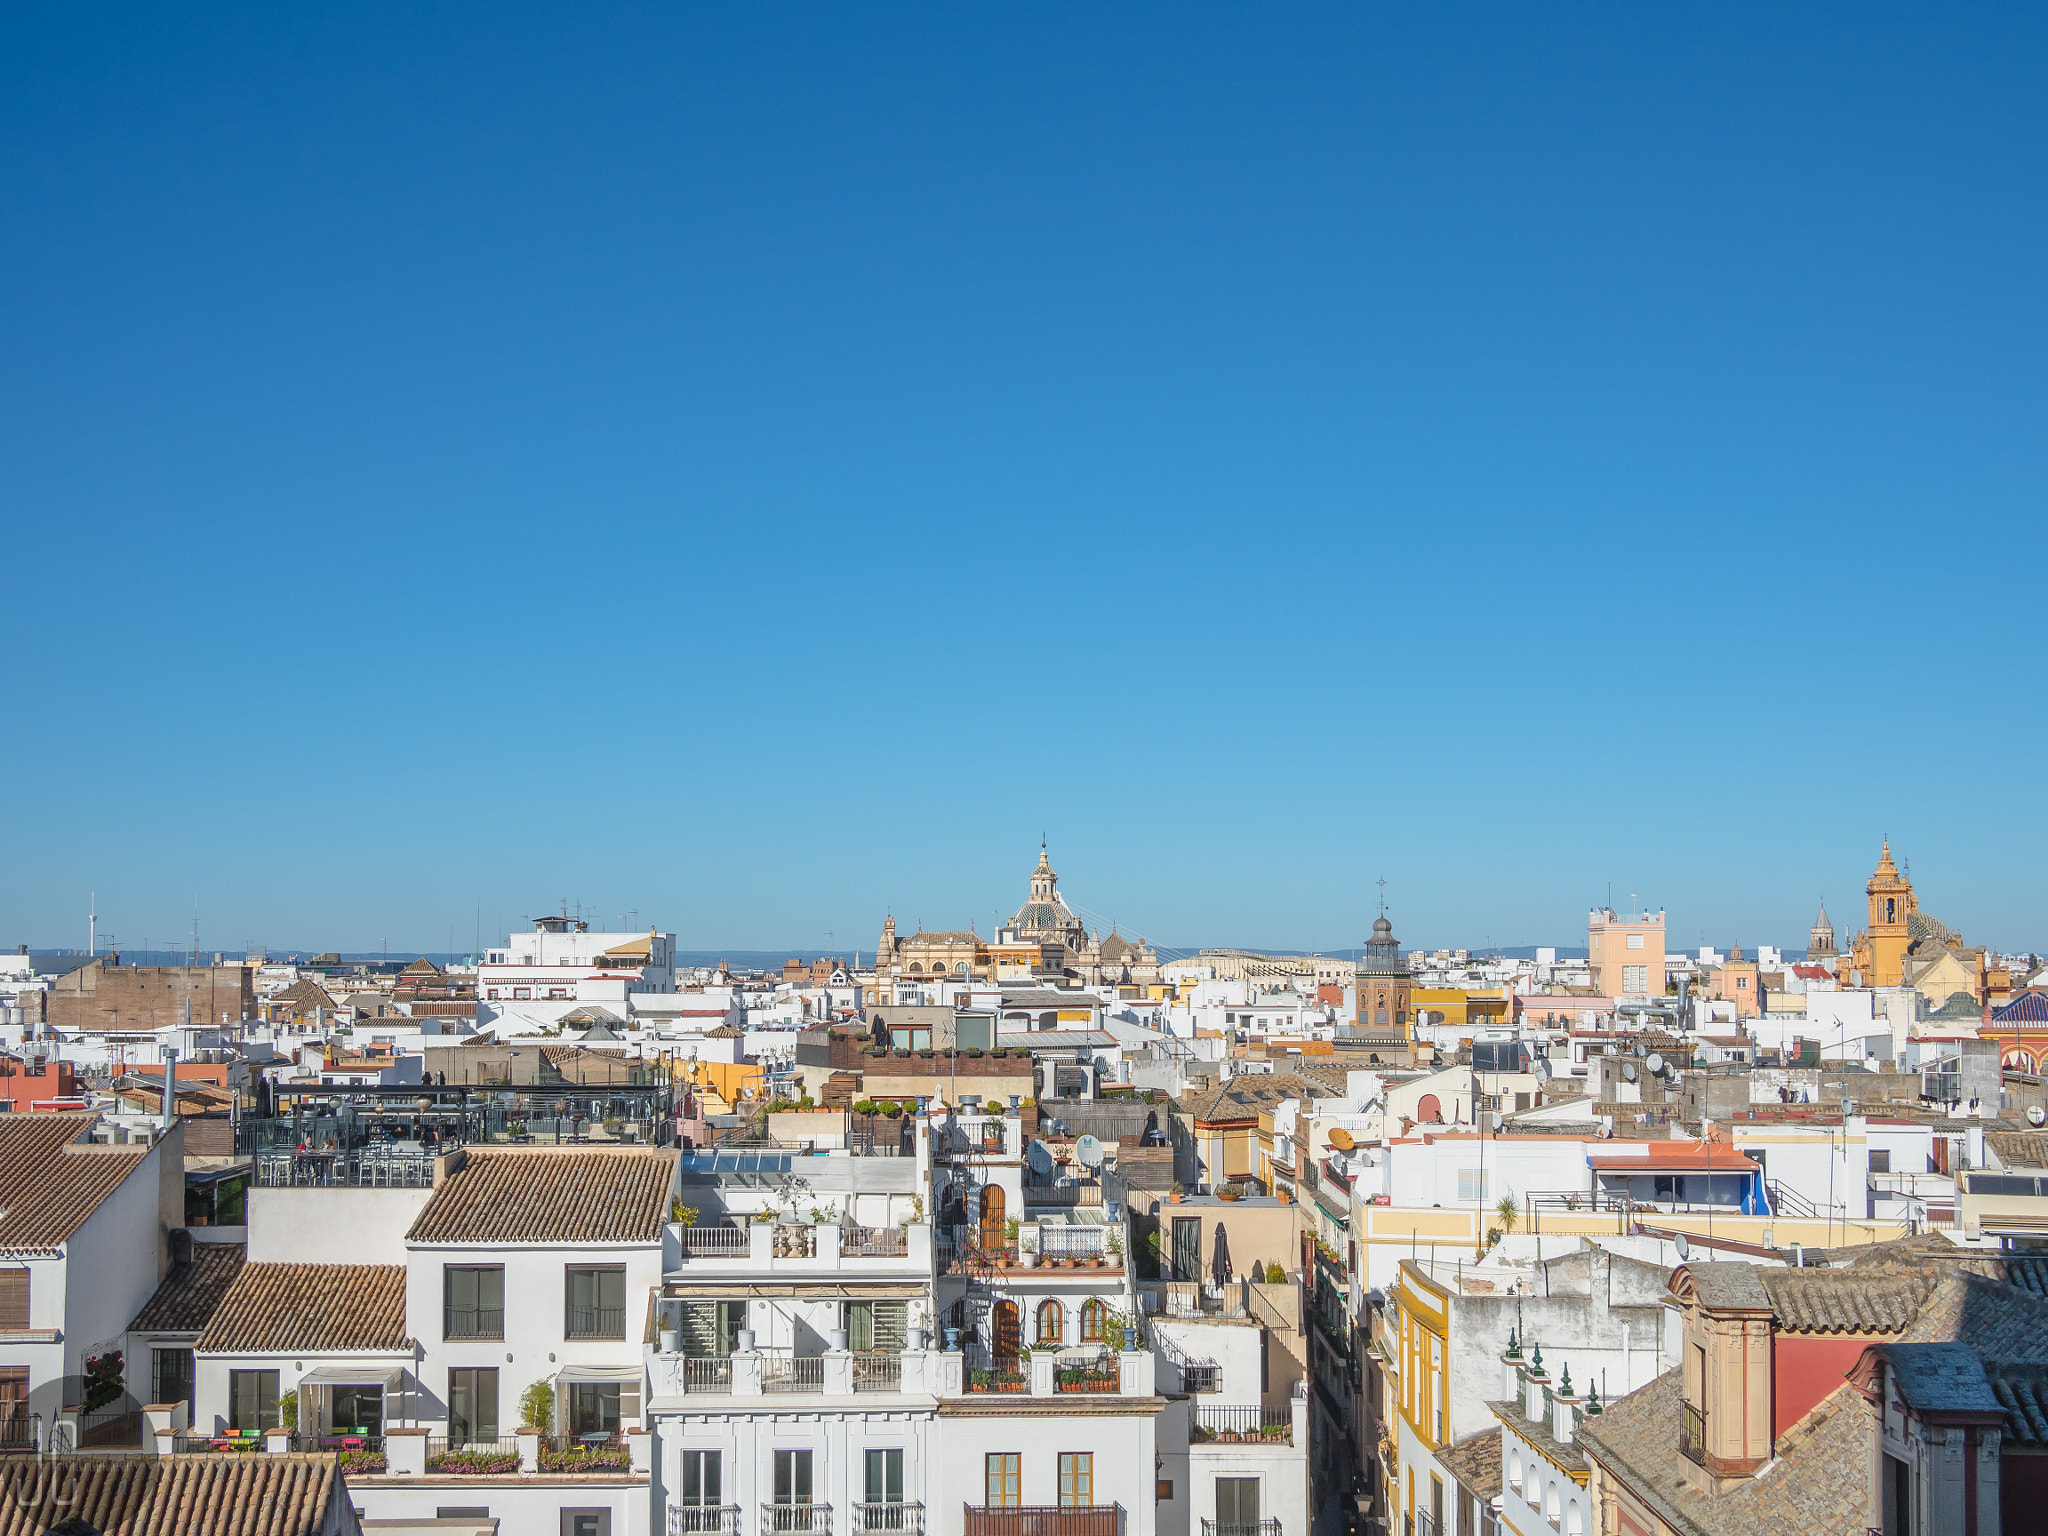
[[792, 1477], [472, 1405], [1187, 1248], [992, 1222], [1006, 1331], [885, 1487], [1237, 1504]]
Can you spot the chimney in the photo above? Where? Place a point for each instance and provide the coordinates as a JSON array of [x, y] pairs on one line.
[[1562, 1402], [170, 1092]]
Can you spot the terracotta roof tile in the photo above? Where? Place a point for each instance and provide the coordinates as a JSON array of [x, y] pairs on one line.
[[2022, 1391], [551, 1197], [147, 1495], [1475, 1462], [1847, 1300], [311, 1308], [190, 1294], [49, 1182], [1817, 1485]]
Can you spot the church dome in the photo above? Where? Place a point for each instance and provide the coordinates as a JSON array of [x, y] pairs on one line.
[[1382, 930]]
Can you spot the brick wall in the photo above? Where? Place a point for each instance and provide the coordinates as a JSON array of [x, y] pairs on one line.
[[101, 996]]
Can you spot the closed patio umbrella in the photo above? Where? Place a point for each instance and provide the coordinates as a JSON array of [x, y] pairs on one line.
[[1220, 1264]]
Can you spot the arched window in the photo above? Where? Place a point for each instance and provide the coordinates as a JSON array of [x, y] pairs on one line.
[[1093, 1315], [916, 969], [1550, 1503], [1052, 1323], [1515, 1467], [1574, 1522]]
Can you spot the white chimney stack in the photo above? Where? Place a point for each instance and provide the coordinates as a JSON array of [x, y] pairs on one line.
[[170, 1107]]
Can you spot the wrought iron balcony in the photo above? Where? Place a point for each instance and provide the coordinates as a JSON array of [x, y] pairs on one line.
[[1692, 1434], [796, 1520], [704, 1520], [897, 1519], [1045, 1520]]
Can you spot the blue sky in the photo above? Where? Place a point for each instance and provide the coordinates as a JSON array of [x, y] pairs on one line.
[[759, 468]]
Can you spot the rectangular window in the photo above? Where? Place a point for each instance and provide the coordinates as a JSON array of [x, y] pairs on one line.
[[586, 1522], [703, 1486], [596, 1302], [1635, 978], [1635, 941], [1881, 1162], [473, 1405], [792, 1477], [1004, 1482], [14, 1298], [1472, 1184], [170, 1376], [472, 1301], [252, 1400], [1077, 1479], [885, 1478], [1237, 1501]]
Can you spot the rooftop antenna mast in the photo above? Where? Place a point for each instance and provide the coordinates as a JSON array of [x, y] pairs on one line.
[[92, 924]]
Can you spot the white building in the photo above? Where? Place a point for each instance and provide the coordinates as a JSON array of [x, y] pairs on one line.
[[532, 979]]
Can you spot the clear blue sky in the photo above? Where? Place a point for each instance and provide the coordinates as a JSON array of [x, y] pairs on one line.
[[760, 467]]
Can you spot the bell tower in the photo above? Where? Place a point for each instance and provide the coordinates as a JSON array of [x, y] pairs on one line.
[[1885, 940]]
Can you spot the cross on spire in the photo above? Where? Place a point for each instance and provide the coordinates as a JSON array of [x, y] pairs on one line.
[[1382, 883]]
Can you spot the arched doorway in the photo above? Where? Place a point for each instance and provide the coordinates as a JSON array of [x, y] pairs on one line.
[[992, 1216], [1006, 1334], [1428, 1110]]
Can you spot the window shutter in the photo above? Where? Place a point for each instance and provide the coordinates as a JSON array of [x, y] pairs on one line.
[[700, 1329], [629, 1402], [14, 1298], [891, 1326]]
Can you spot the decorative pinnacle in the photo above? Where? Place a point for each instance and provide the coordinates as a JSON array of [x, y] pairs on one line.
[[1565, 1387], [1593, 1399], [1514, 1346], [1536, 1357]]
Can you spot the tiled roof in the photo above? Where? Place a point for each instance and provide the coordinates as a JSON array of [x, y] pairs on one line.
[[1999, 1321], [1245, 1095], [2021, 1388], [1818, 1483], [50, 1184], [314, 1308], [1846, 1300], [550, 1197], [2027, 1008], [191, 1293], [1941, 1378], [306, 991], [2020, 1149], [1728, 1285], [147, 1495], [1475, 1462]]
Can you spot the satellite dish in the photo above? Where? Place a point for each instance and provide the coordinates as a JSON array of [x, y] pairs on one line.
[[2036, 1115], [1628, 1071], [1655, 1064], [1089, 1151], [1039, 1159], [1684, 1248]]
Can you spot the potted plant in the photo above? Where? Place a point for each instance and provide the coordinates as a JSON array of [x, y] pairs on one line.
[[1029, 1250], [1228, 1192], [1116, 1246]]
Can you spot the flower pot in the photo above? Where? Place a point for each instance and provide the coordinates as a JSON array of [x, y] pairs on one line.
[[671, 1341], [835, 1340], [743, 1340], [1030, 1261]]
